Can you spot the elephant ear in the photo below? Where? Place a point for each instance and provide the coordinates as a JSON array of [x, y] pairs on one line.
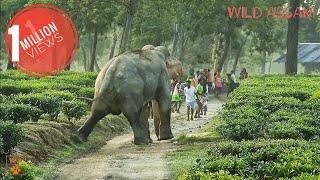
[[168, 63], [163, 50]]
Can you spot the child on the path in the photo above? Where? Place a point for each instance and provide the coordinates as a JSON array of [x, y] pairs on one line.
[[199, 93], [190, 92], [176, 98], [204, 102]]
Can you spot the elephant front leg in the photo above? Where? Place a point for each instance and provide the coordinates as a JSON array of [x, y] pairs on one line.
[[165, 116], [156, 118]]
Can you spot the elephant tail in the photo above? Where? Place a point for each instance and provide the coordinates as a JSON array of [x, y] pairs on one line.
[[88, 99]]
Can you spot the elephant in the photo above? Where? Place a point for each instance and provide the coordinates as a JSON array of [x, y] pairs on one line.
[[126, 84], [174, 70]]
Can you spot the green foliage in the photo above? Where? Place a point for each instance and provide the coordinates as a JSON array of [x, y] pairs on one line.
[[19, 113], [272, 107], [74, 109], [24, 99], [259, 159], [48, 104], [1, 150], [11, 134], [21, 171], [2, 172], [3, 98], [11, 87], [316, 95], [217, 175], [86, 92]]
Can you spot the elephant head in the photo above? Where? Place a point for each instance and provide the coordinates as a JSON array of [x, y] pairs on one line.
[[163, 50], [148, 47], [174, 68]]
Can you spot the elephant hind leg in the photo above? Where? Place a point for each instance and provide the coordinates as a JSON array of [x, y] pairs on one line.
[[165, 115], [87, 128], [136, 119], [144, 121]]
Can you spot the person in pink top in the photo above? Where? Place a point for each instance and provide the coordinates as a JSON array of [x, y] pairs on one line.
[[218, 83]]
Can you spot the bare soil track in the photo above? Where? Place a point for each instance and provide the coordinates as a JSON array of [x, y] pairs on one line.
[[120, 159]]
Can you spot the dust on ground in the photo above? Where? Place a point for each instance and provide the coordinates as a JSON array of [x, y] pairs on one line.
[[120, 159]]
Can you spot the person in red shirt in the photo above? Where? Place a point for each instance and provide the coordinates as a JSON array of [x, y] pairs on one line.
[[218, 83]]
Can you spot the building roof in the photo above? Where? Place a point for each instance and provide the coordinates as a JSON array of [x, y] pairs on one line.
[[307, 53]]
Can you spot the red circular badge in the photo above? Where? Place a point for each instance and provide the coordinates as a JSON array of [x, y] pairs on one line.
[[41, 40]]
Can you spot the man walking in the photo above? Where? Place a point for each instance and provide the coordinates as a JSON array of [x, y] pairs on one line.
[[190, 93]]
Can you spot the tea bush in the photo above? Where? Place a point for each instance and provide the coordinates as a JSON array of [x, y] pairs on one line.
[[24, 98], [74, 109], [11, 134], [276, 107], [48, 104], [272, 131], [316, 95], [259, 159], [3, 98], [19, 113]]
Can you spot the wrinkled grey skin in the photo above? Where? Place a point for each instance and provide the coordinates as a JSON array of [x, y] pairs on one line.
[[174, 70], [163, 49], [125, 85]]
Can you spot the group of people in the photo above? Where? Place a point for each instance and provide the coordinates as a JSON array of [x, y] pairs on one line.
[[194, 91], [230, 83], [197, 87]]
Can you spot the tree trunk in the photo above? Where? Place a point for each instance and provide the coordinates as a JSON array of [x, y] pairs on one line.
[[85, 59], [121, 40], [96, 65], [263, 62], [183, 44], [225, 53], [113, 46], [94, 49], [292, 41], [225, 65], [126, 30], [215, 55], [238, 54], [175, 39], [270, 64]]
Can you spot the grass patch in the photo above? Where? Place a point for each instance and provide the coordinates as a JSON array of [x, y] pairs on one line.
[[208, 133], [182, 160], [192, 148], [198, 137], [51, 144]]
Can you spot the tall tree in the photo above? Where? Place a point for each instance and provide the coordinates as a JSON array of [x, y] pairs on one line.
[[92, 18], [239, 50], [153, 24], [175, 39], [292, 40], [113, 45], [131, 8], [94, 49]]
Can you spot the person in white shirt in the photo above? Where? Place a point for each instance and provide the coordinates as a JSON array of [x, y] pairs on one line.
[[190, 93], [233, 77]]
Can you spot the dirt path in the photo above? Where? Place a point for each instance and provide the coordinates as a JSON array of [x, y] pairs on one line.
[[120, 159]]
